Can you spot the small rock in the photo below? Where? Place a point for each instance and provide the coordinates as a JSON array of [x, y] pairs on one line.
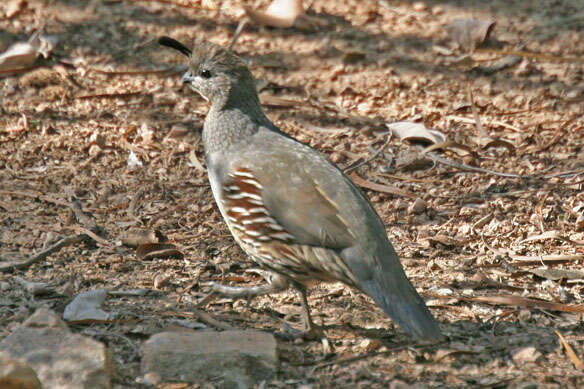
[[398, 384], [34, 288], [240, 358], [579, 226], [45, 318], [525, 354], [417, 207], [87, 306], [60, 358], [468, 293], [370, 344], [437, 10], [17, 374], [161, 280], [419, 6], [401, 205]]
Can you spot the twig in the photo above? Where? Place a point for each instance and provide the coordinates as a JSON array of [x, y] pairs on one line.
[[375, 155], [120, 95], [461, 166], [134, 203], [475, 114], [85, 220], [14, 265], [93, 235], [205, 317], [237, 32], [35, 195], [381, 187], [368, 355]]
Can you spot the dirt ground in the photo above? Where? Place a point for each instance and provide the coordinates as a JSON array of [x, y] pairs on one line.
[[105, 121]]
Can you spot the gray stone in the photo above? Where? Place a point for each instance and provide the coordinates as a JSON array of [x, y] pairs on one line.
[[60, 358], [526, 354], [17, 374], [87, 306], [237, 359]]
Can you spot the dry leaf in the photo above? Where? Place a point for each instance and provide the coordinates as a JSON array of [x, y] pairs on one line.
[[14, 7], [22, 55], [469, 33], [527, 303], [416, 132], [281, 13], [157, 250]]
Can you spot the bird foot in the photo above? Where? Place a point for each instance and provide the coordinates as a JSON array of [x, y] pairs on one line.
[[290, 333]]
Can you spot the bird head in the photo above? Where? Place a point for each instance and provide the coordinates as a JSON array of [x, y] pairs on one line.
[[214, 72]]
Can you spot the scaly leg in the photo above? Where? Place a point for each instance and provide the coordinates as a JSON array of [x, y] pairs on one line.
[[311, 330], [276, 283]]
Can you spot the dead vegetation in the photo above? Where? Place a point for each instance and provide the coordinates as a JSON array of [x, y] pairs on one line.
[[103, 183]]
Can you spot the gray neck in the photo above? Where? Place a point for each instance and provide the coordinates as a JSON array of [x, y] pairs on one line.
[[233, 119]]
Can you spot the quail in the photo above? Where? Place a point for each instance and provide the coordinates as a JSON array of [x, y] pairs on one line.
[[293, 211]]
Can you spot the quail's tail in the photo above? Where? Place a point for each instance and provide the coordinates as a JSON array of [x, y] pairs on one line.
[[384, 280]]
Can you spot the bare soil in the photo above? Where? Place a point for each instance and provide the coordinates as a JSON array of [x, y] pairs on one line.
[[108, 95]]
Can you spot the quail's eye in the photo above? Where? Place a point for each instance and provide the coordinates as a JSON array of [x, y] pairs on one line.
[[206, 74]]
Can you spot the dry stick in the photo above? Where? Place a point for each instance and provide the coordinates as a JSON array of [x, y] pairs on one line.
[[364, 356], [134, 203], [93, 235], [205, 317], [82, 218], [537, 56], [44, 253], [136, 72], [237, 32], [375, 155], [570, 351], [38, 196], [120, 95], [475, 114], [461, 166]]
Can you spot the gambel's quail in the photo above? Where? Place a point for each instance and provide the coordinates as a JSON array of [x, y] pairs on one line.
[[288, 207]]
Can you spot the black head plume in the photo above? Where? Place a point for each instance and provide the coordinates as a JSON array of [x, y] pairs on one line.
[[174, 44]]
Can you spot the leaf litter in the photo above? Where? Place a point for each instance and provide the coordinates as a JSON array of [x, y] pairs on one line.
[[494, 217]]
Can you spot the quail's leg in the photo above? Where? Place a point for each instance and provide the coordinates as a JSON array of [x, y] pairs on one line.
[[311, 330]]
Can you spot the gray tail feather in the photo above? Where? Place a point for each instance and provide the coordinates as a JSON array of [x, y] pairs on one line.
[[400, 301], [382, 277]]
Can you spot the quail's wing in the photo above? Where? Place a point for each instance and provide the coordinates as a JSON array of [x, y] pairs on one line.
[[314, 202]]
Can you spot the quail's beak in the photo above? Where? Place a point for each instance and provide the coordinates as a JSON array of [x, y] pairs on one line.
[[187, 78]]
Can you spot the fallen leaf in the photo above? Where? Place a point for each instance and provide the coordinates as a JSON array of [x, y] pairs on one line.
[[281, 13], [416, 133], [469, 33], [22, 55], [157, 250]]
